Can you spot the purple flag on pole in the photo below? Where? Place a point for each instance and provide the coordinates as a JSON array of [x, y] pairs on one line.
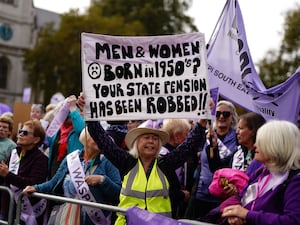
[[231, 69]]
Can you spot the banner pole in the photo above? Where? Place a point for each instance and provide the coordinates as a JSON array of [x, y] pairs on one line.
[[214, 30], [211, 148]]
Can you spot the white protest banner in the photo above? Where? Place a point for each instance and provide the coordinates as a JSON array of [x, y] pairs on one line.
[[153, 77]]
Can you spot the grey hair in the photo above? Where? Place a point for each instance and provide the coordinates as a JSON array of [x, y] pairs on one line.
[[39, 107], [134, 150], [233, 112], [280, 142]]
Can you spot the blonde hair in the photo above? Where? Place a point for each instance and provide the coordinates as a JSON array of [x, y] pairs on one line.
[[7, 120], [84, 136], [280, 142], [173, 126]]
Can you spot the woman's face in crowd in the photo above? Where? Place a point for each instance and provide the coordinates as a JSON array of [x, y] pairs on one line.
[[223, 119], [4, 130], [259, 155], [244, 134], [36, 114], [26, 137], [148, 145]]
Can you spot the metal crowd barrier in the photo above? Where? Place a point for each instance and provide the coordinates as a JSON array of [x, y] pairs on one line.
[[64, 199], [194, 222], [86, 203], [11, 205]]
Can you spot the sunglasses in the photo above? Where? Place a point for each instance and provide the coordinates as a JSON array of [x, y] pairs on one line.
[[225, 114], [24, 132]]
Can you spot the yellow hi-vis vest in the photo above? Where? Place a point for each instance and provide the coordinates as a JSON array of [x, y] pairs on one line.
[[151, 195]]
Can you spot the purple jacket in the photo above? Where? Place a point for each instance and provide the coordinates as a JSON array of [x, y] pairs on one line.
[[278, 206]]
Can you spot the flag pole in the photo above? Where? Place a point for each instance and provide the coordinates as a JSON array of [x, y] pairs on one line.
[[214, 30], [211, 148]]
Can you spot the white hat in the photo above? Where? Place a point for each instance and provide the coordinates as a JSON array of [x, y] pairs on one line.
[[148, 127]]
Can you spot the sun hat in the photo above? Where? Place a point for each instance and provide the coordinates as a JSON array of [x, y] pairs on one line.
[[148, 127]]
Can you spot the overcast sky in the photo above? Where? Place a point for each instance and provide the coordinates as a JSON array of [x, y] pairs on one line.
[[263, 19]]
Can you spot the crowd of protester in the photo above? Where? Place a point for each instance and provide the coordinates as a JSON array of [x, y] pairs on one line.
[[165, 166]]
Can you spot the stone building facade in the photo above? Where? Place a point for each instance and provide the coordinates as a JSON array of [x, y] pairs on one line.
[[20, 22]]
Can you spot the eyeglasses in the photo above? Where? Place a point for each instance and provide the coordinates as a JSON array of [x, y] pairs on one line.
[[24, 132], [225, 114]]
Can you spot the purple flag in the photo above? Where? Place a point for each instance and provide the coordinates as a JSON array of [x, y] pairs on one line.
[[214, 94], [4, 108], [231, 69], [137, 216]]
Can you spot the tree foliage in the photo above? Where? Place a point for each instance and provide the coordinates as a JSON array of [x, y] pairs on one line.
[[54, 65], [277, 66], [158, 16]]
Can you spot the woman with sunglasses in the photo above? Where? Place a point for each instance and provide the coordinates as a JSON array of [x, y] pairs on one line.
[[243, 155], [226, 141], [26, 165]]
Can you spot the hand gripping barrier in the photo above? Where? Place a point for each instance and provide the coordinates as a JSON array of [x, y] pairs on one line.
[[11, 205]]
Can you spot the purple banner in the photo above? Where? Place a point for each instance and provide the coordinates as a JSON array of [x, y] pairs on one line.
[[230, 68], [137, 216]]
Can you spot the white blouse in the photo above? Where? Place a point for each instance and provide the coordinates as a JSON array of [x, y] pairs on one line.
[[257, 189]]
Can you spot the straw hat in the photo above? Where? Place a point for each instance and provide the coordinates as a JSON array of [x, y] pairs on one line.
[[148, 127]]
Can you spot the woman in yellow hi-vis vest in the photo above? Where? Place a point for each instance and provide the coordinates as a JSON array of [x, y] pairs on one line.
[[146, 177]]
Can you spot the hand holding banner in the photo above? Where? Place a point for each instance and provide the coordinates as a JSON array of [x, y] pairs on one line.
[[155, 77]]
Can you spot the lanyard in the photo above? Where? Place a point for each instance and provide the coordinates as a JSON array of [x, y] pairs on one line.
[[259, 188], [88, 169]]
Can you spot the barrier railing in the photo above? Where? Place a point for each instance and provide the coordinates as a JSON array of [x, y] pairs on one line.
[[86, 203], [11, 205], [64, 199]]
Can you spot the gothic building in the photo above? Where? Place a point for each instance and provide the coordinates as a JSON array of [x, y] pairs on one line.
[[20, 22]]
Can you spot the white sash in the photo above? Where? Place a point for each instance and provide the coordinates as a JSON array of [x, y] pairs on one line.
[[77, 176], [223, 150], [238, 159], [29, 213], [14, 162]]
